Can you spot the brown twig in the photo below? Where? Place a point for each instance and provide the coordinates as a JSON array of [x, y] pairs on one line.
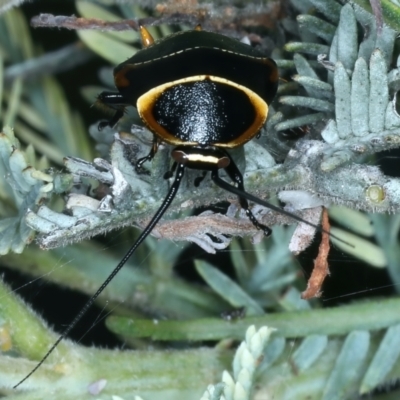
[[75, 23], [321, 267], [211, 18]]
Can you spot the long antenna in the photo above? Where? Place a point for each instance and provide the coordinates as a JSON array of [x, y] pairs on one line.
[[160, 212], [241, 193]]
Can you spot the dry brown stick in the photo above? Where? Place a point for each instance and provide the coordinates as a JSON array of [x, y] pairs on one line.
[[321, 267], [75, 23]]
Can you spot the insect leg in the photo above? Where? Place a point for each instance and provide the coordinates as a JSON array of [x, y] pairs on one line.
[[241, 193], [150, 156], [170, 173], [236, 176], [199, 179], [114, 101]]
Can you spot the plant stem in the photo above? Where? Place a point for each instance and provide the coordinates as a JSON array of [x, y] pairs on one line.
[[371, 315]]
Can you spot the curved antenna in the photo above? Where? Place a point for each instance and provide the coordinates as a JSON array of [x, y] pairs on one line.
[[241, 193], [160, 212]]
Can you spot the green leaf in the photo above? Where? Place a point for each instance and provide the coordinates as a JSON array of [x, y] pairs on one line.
[[362, 249], [329, 8], [342, 103], [106, 46], [384, 359], [360, 92], [309, 351], [391, 12], [348, 366], [15, 96], [366, 315], [227, 289], [352, 219], [347, 37], [23, 189], [379, 91], [91, 10]]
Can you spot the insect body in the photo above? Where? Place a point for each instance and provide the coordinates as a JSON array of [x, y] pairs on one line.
[[203, 93], [200, 91]]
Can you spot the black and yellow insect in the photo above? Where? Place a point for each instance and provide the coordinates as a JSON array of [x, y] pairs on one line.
[[203, 93]]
